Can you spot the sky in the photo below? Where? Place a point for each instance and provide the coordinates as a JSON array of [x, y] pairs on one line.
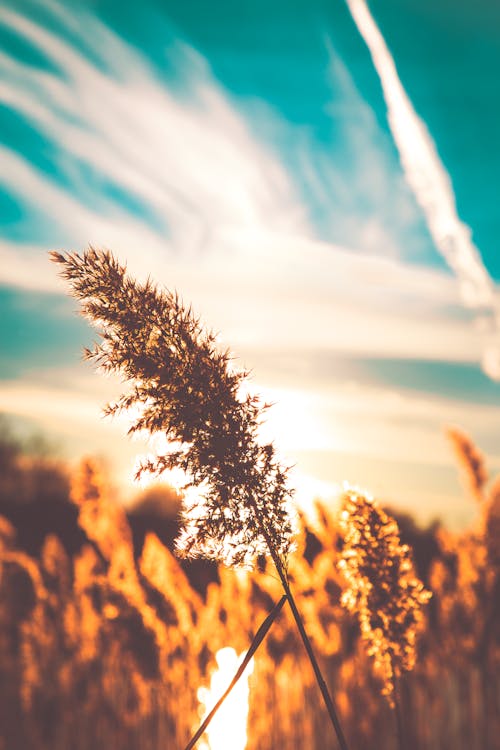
[[318, 179]]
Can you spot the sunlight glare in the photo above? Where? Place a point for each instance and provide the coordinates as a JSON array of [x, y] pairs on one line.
[[228, 729]]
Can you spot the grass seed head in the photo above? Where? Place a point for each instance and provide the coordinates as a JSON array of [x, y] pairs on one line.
[[183, 386], [382, 587]]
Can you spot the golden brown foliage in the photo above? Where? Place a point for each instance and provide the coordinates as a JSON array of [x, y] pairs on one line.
[[106, 648], [382, 587]]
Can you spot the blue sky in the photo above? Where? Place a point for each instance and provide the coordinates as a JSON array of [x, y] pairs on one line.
[[319, 179]]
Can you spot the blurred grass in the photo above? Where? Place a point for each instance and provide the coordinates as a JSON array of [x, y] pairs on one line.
[[105, 637]]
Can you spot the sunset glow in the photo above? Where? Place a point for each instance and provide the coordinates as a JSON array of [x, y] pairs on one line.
[[228, 729]]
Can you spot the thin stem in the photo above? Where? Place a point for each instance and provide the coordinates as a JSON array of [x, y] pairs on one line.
[[329, 703], [397, 713], [259, 637]]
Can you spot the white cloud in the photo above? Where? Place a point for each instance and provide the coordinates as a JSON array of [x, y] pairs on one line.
[[371, 180], [191, 157], [432, 187], [237, 242], [352, 417]]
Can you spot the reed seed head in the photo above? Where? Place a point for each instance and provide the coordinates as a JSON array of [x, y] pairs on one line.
[[183, 386]]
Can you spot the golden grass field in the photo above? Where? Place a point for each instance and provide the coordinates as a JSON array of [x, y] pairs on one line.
[[105, 639]]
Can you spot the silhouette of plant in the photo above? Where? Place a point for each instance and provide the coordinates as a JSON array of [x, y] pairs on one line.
[[185, 388]]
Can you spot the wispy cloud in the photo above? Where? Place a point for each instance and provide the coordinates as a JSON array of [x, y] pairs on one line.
[[368, 198], [233, 233], [191, 157], [432, 187]]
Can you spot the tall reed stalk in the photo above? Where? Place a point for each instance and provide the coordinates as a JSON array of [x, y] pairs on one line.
[[185, 388], [327, 698]]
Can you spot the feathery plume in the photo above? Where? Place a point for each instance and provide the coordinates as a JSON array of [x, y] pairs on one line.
[[471, 461], [381, 586], [185, 388]]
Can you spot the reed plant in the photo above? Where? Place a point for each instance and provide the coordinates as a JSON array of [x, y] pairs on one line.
[[184, 387], [383, 590], [103, 641]]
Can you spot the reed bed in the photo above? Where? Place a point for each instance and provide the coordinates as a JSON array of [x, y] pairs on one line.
[[106, 646]]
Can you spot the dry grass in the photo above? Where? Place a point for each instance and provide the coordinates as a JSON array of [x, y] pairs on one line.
[[105, 649]]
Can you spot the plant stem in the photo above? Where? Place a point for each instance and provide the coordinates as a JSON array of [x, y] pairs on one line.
[[330, 706], [258, 638], [397, 714]]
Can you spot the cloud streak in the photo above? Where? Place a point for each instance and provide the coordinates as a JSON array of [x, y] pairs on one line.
[[433, 190], [233, 233]]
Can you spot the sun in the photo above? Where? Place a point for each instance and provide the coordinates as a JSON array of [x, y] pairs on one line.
[[228, 729]]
